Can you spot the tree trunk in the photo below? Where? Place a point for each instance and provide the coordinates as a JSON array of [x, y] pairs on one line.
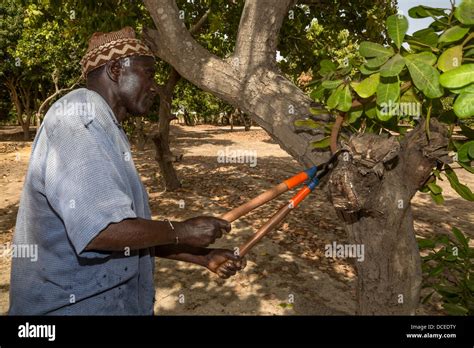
[[246, 121], [164, 157], [371, 191], [140, 134], [26, 130], [389, 278]]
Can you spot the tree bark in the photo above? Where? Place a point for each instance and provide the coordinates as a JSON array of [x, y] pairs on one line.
[[377, 213], [371, 191], [164, 157]]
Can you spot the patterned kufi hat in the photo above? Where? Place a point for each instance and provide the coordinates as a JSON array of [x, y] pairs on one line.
[[104, 47]]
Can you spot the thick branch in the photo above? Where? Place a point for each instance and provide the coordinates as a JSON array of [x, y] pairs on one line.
[[259, 26]]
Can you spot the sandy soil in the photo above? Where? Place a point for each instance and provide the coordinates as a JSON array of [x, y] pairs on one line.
[[287, 272]]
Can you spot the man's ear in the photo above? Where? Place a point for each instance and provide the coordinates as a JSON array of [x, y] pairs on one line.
[[113, 69]]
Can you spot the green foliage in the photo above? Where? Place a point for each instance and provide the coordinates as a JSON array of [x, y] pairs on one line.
[[428, 74], [448, 270], [330, 30]]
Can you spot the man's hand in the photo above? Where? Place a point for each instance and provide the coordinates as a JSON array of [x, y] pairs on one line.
[[224, 262], [202, 230]]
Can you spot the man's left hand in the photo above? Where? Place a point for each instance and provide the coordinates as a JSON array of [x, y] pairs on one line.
[[224, 262]]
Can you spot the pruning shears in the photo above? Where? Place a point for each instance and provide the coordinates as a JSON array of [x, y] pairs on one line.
[[311, 177]]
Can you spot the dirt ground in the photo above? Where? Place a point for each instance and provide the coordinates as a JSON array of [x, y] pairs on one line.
[[287, 273]]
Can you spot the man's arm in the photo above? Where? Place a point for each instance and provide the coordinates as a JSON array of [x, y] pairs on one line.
[[184, 253], [223, 262], [141, 233]]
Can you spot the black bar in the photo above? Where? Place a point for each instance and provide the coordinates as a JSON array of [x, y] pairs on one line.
[[209, 330]]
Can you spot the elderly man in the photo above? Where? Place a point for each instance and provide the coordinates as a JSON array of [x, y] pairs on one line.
[[84, 207]]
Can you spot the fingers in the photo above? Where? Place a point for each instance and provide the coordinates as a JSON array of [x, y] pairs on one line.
[[230, 268], [226, 270], [224, 225]]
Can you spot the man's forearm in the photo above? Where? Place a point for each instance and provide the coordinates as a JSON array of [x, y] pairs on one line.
[[183, 253], [135, 234]]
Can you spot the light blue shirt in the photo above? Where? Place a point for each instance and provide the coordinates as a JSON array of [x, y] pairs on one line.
[[81, 177]]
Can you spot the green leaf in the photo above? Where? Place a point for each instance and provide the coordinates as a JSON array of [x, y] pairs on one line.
[[334, 98], [410, 104], [435, 188], [450, 59], [376, 62], [340, 99], [345, 100], [331, 84], [455, 309], [370, 49], [388, 91], [393, 67], [446, 290], [317, 93], [466, 89], [437, 198], [397, 26], [354, 114], [460, 237], [468, 132], [454, 34], [370, 110], [467, 167], [464, 191], [469, 53], [425, 78], [427, 298], [426, 36], [425, 243], [466, 152], [458, 77], [367, 71], [465, 12], [464, 105], [326, 67], [308, 123], [425, 11], [436, 270], [318, 111], [470, 284], [366, 88], [323, 143]]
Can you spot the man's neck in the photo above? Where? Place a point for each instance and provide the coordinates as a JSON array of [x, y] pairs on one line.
[[112, 100]]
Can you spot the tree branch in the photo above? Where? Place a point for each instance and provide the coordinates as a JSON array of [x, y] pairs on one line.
[[259, 26]]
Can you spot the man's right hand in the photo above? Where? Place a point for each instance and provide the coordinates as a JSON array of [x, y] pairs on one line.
[[202, 231]]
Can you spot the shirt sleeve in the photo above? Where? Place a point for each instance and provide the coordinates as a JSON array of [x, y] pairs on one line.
[[83, 182]]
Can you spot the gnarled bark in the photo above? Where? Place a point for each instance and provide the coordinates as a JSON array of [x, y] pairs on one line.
[[371, 190]]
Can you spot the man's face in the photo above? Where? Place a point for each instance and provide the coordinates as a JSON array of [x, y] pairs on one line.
[[136, 84]]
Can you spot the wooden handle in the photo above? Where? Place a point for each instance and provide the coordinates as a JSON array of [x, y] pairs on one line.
[[265, 229], [267, 196], [261, 199]]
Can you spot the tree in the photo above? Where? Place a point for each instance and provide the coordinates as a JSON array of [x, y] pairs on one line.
[[375, 205], [42, 43], [164, 156]]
